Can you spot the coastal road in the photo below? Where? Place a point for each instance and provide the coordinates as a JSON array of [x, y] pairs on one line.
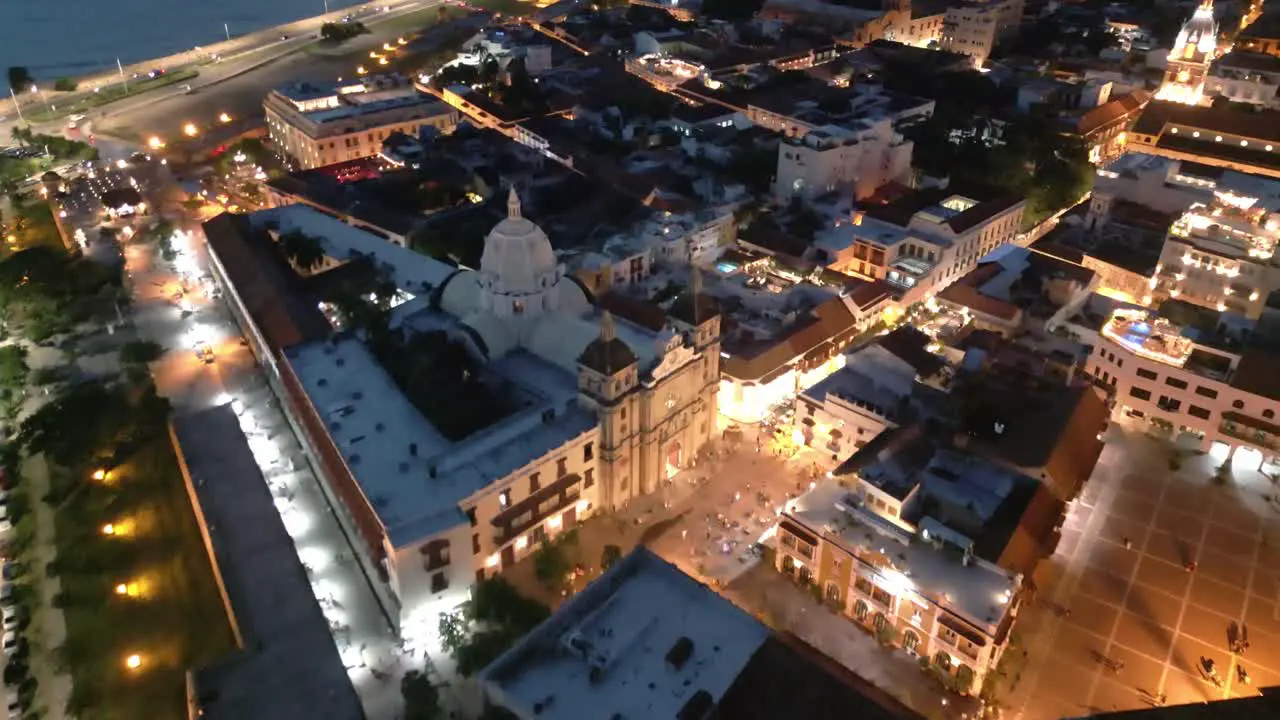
[[249, 54], [267, 39]]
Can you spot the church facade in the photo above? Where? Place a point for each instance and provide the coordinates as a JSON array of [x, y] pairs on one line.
[[1194, 50], [598, 411]]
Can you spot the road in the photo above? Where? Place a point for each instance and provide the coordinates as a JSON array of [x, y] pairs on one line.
[[255, 51], [245, 46]]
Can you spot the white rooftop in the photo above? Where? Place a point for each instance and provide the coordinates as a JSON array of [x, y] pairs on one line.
[[412, 272], [393, 451], [973, 592], [604, 654]]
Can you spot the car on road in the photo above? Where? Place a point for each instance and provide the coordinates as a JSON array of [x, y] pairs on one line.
[[10, 643], [10, 615], [15, 708]]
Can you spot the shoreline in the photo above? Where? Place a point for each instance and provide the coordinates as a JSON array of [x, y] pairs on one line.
[[255, 41]]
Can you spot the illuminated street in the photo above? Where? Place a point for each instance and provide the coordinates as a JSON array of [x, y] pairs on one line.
[[173, 306]]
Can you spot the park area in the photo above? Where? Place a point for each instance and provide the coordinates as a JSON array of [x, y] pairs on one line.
[[133, 581]]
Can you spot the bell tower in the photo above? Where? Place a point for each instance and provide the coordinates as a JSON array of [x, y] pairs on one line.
[[1193, 52], [607, 377]]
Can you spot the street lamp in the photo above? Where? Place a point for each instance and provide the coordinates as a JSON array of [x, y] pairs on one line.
[[190, 130], [133, 662]]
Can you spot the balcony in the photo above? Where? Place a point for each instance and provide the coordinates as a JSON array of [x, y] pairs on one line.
[[1253, 431], [531, 511]]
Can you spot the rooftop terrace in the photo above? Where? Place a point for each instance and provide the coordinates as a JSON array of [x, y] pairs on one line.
[[976, 591]]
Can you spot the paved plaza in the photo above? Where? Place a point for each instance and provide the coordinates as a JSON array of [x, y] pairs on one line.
[[1118, 590]]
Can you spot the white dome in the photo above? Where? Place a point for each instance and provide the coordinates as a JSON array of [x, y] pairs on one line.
[[517, 254]]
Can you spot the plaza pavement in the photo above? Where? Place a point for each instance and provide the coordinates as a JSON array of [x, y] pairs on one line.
[[1139, 605]]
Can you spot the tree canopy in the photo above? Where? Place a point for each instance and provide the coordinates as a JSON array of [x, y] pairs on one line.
[[19, 78]]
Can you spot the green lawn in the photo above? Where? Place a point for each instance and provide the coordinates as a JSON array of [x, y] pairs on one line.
[[107, 94], [177, 621]]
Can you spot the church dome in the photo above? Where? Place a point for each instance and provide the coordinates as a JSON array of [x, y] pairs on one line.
[[517, 253]]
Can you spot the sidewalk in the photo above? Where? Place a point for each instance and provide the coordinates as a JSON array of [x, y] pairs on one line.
[[54, 688]]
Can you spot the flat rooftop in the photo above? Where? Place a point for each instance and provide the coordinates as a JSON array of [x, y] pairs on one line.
[[642, 641], [412, 272], [289, 667], [976, 592], [413, 476]]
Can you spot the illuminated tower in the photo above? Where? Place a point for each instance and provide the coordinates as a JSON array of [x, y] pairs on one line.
[[1189, 60]]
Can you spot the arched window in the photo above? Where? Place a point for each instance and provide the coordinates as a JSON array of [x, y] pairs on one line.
[[788, 564], [910, 641], [860, 610], [833, 592], [942, 660], [806, 575], [879, 621]]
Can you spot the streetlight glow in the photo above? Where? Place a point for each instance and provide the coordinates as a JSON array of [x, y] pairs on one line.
[[155, 143], [133, 662], [100, 474], [108, 529], [224, 118], [190, 130]]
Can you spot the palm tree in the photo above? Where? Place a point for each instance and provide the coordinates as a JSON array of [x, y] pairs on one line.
[[304, 251]]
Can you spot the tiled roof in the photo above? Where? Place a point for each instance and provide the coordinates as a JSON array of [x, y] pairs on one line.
[[1107, 113], [831, 321], [1159, 114], [965, 292]]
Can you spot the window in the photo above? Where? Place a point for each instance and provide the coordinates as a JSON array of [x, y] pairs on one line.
[[1120, 362], [1140, 393], [1174, 382], [862, 584], [860, 609], [1168, 404], [504, 499], [805, 550], [588, 478], [534, 483], [471, 515], [788, 564], [805, 575], [1197, 411], [880, 622], [1238, 404], [1147, 374], [910, 641], [588, 452], [833, 592], [788, 540], [1268, 414], [562, 467], [881, 596], [439, 582], [1206, 392]]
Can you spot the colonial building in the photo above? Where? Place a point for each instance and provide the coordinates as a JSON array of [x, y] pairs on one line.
[[1193, 51], [317, 125], [1187, 370], [596, 412]]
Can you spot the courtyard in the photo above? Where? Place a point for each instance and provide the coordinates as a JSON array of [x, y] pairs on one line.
[[1120, 621]]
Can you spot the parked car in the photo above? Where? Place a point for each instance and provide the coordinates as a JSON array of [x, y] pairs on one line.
[[10, 618], [10, 643], [15, 708]]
